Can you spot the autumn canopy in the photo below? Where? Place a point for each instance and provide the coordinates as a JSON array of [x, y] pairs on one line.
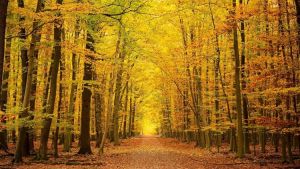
[[220, 74]]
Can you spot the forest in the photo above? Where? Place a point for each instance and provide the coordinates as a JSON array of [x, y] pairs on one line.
[[150, 84]]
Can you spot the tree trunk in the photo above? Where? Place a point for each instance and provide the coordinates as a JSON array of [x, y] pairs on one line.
[[185, 96], [61, 107], [240, 135], [133, 117], [297, 3], [85, 147], [29, 145], [108, 113], [283, 148], [69, 116], [130, 113], [3, 14], [216, 68], [26, 101], [121, 52], [4, 94], [244, 82], [53, 85], [99, 103], [29, 79], [84, 140], [207, 118], [126, 108], [117, 106], [24, 56]]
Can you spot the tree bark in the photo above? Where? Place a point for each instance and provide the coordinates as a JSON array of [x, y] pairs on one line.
[[244, 83], [69, 116], [84, 140], [24, 58], [126, 108], [121, 52], [240, 135], [85, 147], [99, 107], [3, 15], [130, 113], [53, 85], [108, 113], [27, 93], [61, 106], [133, 117], [216, 67], [297, 3], [185, 97], [29, 145]]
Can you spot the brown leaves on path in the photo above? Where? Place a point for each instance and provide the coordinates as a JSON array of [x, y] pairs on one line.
[[148, 152]]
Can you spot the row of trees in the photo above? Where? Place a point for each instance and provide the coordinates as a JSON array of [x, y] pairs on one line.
[[65, 76], [234, 78], [212, 72]]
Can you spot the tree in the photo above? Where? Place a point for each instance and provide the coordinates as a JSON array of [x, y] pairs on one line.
[[240, 135], [85, 147], [54, 72], [99, 108], [3, 15], [297, 2], [220, 72], [121, 53], [70, 113], [244, 83], [29, 79]]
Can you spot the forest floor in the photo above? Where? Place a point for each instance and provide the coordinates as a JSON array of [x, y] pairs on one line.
[[150, 152]]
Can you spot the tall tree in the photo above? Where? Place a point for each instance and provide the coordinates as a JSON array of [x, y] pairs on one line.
[[84, 140], [53, 85], [29, 79], [108, 112], [121, 51], [61, 105], [3, 16], [99, 108], [297, 3], [69, 115], [126, 107], [28, 145], [240, 135], [244, 81]]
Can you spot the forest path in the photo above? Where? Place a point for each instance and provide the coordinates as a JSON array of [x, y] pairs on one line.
[[152, 152], [146, 152]]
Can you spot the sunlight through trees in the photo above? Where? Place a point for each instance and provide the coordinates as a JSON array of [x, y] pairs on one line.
[[222, 74]]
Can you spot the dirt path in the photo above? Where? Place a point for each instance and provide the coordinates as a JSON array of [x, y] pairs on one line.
[[162, 153], [147, 153], [150, 152]]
